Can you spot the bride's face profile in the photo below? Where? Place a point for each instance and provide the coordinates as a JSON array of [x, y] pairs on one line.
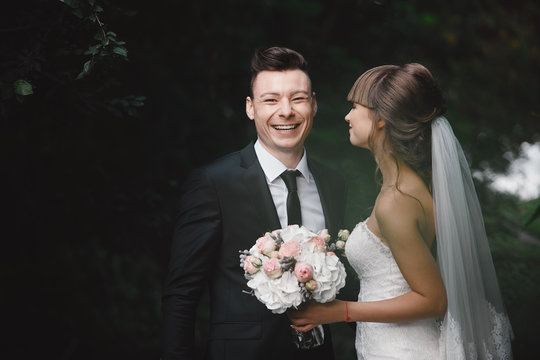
[[361, 126]]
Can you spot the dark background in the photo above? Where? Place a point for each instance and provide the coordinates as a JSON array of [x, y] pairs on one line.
[[93, 165]]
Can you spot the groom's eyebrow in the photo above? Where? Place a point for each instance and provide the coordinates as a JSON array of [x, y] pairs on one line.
[[295, 92], [303, 92], [269, 94]]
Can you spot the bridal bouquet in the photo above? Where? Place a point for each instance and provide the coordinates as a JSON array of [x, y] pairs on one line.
[[286, 267]]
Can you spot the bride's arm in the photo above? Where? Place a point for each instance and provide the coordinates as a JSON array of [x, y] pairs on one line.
[[397, 219]]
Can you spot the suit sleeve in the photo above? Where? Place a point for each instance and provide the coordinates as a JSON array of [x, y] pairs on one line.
[[195, 242]]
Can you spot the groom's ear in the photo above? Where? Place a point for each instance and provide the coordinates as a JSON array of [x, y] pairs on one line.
[[314, 103], [249, 108]]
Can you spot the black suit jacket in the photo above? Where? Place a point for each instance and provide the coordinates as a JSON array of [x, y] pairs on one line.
[[225, 207]]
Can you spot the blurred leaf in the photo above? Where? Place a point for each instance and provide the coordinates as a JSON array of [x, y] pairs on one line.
[[533, 212], [23, 87], [87, 68], [93, 50], [428, 19], [120, 50], [72, 3]]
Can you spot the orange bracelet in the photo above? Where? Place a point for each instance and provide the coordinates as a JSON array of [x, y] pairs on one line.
[[347, 317]]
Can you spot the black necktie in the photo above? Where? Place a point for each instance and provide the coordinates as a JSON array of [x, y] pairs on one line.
[[294, 215]]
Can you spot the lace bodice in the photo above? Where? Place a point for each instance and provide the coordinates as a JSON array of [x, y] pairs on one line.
[[380, 277]]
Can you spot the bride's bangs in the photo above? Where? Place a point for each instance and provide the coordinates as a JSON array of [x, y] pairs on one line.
[[361, 91]]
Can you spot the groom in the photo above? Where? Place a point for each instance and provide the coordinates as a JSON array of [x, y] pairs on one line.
[[233, 201]]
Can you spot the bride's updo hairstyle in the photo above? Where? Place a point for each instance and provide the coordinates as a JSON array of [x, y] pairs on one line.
[[407, 98]]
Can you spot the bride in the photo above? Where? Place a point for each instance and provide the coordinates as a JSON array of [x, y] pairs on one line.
[[412, 305]]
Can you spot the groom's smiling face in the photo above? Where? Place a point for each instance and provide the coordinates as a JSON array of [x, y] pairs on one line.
[[283, 108]]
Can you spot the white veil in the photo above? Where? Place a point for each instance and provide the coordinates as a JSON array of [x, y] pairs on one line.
[[475, 325]]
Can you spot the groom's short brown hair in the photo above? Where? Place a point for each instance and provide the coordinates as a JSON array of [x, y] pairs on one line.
[[276, 59]]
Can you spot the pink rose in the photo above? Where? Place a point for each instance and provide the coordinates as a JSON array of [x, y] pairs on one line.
[[303, 271], [266, 245], [325, 235], [274, 254], [320, 245], [252, 264], [311, 285], [272, 268], [290, 249]]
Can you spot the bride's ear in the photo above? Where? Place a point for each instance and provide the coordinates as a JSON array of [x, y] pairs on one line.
[[381, 123]]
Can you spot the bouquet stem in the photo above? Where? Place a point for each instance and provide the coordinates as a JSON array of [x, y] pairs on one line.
[[309, 339]]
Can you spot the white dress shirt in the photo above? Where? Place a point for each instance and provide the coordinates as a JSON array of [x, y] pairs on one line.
[[310, 202]]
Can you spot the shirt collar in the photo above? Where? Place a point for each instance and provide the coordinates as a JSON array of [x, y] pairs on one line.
[[273, 168]]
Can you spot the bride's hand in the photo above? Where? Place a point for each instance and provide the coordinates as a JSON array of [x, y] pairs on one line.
[[313, 314], [302, 319]]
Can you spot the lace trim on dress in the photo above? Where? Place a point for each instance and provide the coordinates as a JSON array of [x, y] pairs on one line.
[[375, 238], [501, 333], [497, 347]]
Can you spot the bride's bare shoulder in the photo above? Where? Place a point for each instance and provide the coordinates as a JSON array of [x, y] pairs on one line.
[[409, 207], [392, 202], [409, 202]]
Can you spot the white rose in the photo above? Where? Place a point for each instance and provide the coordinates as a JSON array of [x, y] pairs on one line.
[[340, 244], [343, 234], [297, 233]]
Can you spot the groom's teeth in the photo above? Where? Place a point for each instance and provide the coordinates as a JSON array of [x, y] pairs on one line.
[[285, 127]]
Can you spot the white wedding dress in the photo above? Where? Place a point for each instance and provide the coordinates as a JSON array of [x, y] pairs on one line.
[[380, 279]]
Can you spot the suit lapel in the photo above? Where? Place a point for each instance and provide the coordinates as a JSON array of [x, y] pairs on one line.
[[258, 191]]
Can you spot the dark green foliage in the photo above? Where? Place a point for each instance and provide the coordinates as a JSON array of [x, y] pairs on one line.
[[105, 43], [532, 215], [96, 146], [23, 88]]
